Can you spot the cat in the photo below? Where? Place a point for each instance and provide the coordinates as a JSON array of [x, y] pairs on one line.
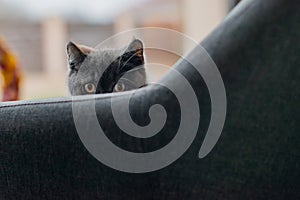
[[95, 71]]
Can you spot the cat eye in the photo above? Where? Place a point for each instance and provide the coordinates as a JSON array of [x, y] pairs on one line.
[[89, 88], [119, 87]]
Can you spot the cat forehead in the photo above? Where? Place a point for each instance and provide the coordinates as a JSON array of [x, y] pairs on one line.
[[98, 61], [104, 56]]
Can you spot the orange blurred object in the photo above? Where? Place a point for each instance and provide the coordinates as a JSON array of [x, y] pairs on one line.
[[10, 74]]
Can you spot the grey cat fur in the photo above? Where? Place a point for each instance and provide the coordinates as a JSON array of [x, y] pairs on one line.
[[86, 65]]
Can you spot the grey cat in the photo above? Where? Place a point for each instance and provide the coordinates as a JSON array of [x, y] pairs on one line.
[[94, 71]]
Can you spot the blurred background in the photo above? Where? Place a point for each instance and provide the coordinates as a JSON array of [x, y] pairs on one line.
[[36, 32]]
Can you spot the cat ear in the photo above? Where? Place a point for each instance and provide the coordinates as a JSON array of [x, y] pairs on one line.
[[75, 56], [136, 47]]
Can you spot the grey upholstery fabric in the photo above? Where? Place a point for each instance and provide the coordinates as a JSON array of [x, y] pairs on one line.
[[257, 157]]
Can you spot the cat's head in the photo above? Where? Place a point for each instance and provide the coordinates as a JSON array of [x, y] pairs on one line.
[[105, 70]]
